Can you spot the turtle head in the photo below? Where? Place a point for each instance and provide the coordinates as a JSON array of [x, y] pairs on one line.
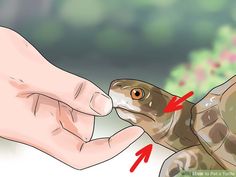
[[138, 102]]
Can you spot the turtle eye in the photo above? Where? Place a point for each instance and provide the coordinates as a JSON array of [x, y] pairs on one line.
[[137, 93]]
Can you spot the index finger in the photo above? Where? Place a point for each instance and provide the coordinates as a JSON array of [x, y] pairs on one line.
[[100, 150]]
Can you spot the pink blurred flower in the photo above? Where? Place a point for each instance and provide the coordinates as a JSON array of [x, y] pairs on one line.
[[231, 57], [181, 83], [200, 74], [234, 40], [214, 64]]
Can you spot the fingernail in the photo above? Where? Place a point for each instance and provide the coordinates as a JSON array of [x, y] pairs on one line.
[[101, 103]]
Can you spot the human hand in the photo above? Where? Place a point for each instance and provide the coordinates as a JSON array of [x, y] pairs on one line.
[[53, 110]]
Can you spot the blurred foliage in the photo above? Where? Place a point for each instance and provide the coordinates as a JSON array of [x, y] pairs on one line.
[[111, 27], [206, 68], [48, 33], [115, 39], [82, 13]]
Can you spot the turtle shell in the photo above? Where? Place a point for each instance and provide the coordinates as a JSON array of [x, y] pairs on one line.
[[214, 122]]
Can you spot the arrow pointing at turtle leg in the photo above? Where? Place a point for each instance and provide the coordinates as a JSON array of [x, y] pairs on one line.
[[175, 104], [143, 154]]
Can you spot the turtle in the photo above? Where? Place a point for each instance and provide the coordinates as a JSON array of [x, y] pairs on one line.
[[202, 134]]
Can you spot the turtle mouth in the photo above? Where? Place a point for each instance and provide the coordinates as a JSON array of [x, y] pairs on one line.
[[125, 111]]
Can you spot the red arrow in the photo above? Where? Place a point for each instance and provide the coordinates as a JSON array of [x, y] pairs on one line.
[[143, 153], [175, 104]]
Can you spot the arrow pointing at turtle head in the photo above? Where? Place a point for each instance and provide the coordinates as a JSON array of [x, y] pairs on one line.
[[176, 104], [143, 154]]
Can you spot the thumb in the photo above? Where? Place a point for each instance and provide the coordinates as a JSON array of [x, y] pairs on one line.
[[77, 92]]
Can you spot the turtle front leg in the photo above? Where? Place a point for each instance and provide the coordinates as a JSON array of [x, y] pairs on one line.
[[192, 158]]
